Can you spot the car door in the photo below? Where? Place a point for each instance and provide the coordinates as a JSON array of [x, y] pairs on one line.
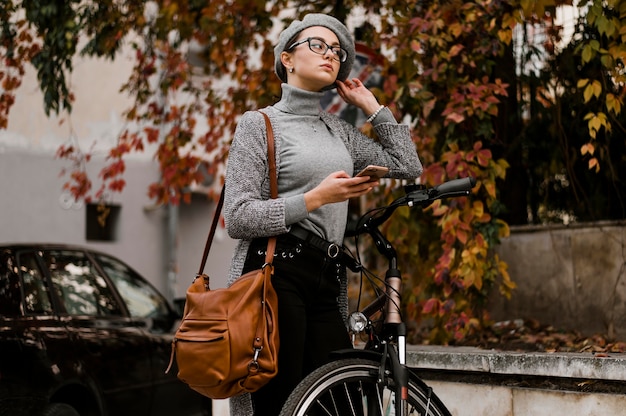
[[36, 352], [112, 348], [145, 303]]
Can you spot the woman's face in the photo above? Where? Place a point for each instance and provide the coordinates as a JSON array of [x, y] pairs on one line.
[[312, 71]]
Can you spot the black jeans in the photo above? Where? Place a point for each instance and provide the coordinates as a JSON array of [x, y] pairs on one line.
[[309, 320]]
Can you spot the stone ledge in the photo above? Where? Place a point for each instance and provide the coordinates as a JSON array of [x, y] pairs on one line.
[[535, 364]]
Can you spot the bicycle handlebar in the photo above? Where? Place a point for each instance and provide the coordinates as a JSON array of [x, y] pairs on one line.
[[463, 185], [421, 197], [370, 222]]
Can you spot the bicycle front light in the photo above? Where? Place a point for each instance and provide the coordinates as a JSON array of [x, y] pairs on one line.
[[357, 322]]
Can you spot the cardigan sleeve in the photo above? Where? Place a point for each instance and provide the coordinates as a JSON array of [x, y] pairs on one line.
[[248, 210], [394, 147]]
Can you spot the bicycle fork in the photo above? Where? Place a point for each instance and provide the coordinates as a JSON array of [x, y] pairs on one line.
[[394, 327]]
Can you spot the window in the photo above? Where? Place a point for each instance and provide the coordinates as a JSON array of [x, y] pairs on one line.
[[141, 298], [36, 294], [81, 289]]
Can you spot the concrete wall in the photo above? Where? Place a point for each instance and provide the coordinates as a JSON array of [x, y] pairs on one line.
[[571, 277], [471, 381], [34, 208], [463, 399]]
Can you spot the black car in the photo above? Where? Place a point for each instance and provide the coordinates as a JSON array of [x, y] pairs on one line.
[[81, 333]]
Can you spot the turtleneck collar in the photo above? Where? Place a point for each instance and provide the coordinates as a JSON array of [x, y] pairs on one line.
[[298, 101]]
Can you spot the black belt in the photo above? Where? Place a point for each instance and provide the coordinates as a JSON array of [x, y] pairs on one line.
[[332, 250]]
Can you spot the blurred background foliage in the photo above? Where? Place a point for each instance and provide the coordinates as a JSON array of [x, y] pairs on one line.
[[525, 96]]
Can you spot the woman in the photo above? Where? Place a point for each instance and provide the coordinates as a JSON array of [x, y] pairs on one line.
[[316, 156]]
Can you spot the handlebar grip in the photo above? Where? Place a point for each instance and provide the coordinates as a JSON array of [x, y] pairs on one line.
[[456, 185]]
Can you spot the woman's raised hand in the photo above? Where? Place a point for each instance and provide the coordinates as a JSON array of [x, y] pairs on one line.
[[355, 93]]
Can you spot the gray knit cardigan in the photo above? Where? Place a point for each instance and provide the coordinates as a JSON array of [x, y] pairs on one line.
[[250, 213]]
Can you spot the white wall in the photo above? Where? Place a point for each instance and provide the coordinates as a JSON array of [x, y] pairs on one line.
[[34, 207]]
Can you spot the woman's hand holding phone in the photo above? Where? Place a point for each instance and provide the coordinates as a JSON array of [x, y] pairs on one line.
[[335, 187], [374, 172]]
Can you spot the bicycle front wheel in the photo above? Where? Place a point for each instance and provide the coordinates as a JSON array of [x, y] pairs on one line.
[[351, 387]]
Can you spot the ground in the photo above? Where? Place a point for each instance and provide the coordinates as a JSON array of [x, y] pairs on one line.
[[530, 335]]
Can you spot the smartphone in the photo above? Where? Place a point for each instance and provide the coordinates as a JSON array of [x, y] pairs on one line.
[[374, 172]]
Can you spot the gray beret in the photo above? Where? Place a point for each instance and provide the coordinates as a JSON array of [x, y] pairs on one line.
[[316, 19]]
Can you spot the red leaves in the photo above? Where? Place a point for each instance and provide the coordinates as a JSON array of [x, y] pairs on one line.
[[480, 155], [152, 134], [465, 266], [79, 185], [478, 98], [113, 169], [431, 306], [117, 185], [15, 53]]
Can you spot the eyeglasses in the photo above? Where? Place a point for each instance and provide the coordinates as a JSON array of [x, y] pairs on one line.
[[320, 47]]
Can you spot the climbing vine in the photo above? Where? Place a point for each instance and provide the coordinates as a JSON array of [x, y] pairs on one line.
[[445, 72]]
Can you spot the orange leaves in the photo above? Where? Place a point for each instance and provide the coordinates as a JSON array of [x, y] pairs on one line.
[[478, 98], [503, 228], [438, 208], [466, 266], [179, 105], [476, 214], [507, 284], [455, 50], [455, 43], [79, 185], [436, 307], [454, 100], [152, 134], [116, 168], [17, 47], [432, 307], [595, 123], [482, 156]]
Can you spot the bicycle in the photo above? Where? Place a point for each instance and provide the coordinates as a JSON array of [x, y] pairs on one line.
[[375, 380]]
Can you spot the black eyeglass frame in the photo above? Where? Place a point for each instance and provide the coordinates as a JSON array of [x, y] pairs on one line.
[[337, 51]]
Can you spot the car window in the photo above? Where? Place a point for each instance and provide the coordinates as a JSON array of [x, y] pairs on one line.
[[141, 298], [79, 285], [36, 294]]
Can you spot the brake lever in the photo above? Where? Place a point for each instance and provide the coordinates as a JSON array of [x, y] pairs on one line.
[[453, 188], [417, 197]]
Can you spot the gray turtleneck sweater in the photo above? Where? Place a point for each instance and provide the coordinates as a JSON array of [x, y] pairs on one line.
[[310, 144], [309, 152]]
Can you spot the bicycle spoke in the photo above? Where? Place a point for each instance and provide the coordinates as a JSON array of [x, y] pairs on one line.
[[349, 398], [351, 387], [321, 405]]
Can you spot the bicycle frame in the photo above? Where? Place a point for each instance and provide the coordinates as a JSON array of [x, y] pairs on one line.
[[390, 343], [393, 341]]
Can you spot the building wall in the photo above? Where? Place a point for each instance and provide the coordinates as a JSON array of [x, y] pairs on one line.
[[570, 277], [35, 208]]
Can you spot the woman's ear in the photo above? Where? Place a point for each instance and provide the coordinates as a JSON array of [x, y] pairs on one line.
[[287, 60]]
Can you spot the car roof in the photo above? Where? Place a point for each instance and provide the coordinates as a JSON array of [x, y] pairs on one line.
[[22, 246]]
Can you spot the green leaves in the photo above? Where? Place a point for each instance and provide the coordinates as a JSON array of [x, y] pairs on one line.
[[608, 51], [57, 24], [200, 64]]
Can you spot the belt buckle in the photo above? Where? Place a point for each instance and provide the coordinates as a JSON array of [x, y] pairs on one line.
[[333, 250]]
